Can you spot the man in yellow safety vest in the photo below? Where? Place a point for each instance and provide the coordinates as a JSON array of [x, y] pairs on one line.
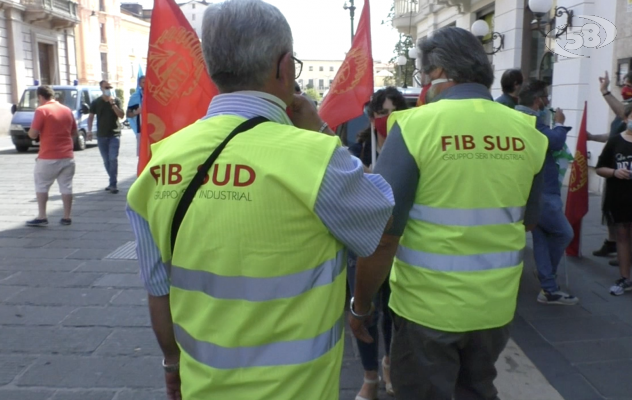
[[242, 220], [465, 177]]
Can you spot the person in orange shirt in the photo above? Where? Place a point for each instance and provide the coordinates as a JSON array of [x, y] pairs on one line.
[[55, 126]]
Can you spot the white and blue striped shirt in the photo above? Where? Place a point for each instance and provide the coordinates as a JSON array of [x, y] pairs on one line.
[[354, 206]]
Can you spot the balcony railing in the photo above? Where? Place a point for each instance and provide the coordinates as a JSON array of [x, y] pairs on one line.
[[62, 13], [406, 7]]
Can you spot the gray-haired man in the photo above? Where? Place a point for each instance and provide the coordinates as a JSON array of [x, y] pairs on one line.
[[264, 319], [463, 172]]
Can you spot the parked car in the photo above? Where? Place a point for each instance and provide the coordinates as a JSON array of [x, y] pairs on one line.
[[350, 129], [77, 98]]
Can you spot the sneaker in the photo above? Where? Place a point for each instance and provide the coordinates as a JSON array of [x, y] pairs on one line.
[[621, 286], [614, 263], [557, 297], [107, 189], [608, 248], [37, 222], [65, 221], [114, 190]]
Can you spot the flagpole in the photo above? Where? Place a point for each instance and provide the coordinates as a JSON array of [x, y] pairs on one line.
[[351, 9], [373, 148]]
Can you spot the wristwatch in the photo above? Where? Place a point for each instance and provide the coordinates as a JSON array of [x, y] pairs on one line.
[[170, 368], [360, 316]]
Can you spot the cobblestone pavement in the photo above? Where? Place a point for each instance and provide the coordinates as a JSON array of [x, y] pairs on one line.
[[74, 322]]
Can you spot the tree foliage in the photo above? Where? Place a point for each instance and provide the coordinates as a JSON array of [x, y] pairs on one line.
[[401, 48], [313, 93], [404, 44]]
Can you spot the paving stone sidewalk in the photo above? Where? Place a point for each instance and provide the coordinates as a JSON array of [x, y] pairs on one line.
[[74, 323]]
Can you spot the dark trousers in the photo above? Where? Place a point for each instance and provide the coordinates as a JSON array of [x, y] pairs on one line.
[[109, 149], [369, 352], [433, 365]]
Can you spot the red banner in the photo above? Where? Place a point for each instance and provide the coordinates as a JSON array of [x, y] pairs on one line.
[[353, 85], [177, 86], [577, 201]]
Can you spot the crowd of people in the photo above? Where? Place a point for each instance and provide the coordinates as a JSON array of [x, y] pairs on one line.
[[55, 127], [247, 292]]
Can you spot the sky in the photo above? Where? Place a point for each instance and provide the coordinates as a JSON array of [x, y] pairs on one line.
[[322, 28]]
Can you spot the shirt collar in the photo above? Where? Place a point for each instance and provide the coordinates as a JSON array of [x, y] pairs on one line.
[[249, 104], [526, 110], [465, 91]]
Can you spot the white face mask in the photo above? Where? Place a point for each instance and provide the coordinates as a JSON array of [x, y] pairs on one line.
[[440, 80], [430, 95]]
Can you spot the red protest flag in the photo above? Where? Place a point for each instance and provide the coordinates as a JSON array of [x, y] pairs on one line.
[[177, 86], [353, 85], [577, 200]]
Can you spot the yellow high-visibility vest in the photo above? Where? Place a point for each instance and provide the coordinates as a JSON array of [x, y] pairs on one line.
[[459, 261], [257, 280]]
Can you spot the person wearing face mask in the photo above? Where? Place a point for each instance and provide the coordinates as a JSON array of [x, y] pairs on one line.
[[107, 109], [615, 164], [617, 126], [465, 174], [382, 104], [553, 233]]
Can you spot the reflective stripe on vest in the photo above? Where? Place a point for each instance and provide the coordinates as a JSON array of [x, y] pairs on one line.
[[467, 217], [258, 289], [273, 354], [459, 263]]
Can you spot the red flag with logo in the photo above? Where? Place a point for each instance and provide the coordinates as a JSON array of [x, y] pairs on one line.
[[577, 200], [353, 85], [177, 86]]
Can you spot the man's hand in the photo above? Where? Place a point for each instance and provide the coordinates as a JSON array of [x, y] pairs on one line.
[[172, 381], [605, 82], [305, 115], [622, 174], [560, 118], [359, 328]]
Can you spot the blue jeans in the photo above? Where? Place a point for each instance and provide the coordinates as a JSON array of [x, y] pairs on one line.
[[369, 351], [109, 148], [550, 239]]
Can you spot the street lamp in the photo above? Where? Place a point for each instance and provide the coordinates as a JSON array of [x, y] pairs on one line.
[[402, 61], [480, 29], [351, 9], [412, 53], [541, 7]]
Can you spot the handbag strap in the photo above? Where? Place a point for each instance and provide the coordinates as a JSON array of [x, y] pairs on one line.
[[198, 179]]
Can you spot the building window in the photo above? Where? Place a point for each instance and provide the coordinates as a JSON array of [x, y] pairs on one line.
[[300, 83], [101, 5], [623, 68], [104, 66], [321, 84], [310, 84], [330, 82], [193, 17], [331, 69], [102, 30], [311, 68], [320, 69], [193, 6]]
